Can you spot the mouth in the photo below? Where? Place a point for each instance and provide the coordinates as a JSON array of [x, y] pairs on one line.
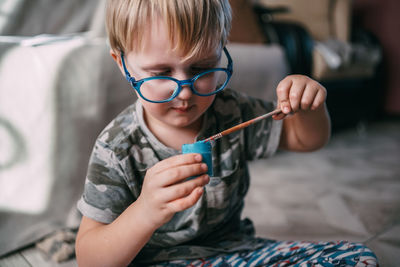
[[182, 109]]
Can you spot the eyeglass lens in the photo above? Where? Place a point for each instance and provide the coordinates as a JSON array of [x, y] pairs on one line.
[[160, 89]]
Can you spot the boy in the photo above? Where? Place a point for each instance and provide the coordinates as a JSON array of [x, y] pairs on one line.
[[138, 205]]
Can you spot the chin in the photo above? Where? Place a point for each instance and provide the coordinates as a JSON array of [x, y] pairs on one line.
[[183, 122]]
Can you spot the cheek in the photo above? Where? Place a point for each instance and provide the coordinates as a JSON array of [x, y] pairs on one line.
[[205, 102], [154, 108]]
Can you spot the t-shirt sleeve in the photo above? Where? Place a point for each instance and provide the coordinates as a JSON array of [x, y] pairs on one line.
[[261, 138], [106, 194]]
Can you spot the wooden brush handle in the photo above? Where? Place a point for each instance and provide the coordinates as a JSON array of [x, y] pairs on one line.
[[241, 125]]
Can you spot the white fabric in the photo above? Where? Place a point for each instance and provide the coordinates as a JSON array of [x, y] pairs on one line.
[[28, 18], [339, 54], [52, 99]]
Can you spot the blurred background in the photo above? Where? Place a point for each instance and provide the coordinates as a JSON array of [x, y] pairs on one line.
[[59, 88]]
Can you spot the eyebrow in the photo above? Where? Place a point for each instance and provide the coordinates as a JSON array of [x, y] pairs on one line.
[[157, 66]]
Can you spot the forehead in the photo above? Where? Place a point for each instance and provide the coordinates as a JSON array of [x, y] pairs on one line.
[[159, 44]]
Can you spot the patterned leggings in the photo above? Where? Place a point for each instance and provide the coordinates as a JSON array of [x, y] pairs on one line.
[[287, 253]]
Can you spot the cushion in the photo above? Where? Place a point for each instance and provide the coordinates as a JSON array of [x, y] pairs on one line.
[[257, 69]]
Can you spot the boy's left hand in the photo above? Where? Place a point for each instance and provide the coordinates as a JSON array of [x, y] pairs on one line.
[[299, 93]]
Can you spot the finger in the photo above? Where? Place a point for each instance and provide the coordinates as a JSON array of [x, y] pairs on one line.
[[319, 99], [178, 160], [295, 95], [308, 97], [188, 201], [181, 190], [279, 116], [178, 174], [282, 92]]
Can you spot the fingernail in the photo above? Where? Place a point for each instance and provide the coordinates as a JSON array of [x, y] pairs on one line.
[[286, 109], [204, 167], [197, 157]]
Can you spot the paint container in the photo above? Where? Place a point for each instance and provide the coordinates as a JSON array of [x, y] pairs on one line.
[[203, 148]]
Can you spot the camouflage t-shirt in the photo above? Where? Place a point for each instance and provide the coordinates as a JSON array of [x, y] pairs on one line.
[[126, 149]]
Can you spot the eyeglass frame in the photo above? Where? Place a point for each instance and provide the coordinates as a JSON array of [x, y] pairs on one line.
[[137, 83]]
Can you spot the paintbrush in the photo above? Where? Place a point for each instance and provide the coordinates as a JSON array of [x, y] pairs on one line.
[[242, 125]]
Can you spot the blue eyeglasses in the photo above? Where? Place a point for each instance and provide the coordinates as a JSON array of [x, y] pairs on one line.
[[160, 89]]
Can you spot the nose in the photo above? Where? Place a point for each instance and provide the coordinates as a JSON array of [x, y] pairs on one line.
[[186, 92]]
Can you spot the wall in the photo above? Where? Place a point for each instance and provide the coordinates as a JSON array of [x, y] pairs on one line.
[[382, 19]]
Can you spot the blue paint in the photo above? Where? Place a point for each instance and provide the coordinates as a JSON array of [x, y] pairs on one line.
[[203, 148]]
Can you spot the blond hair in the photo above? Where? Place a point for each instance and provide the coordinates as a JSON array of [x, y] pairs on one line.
[[194, 25]]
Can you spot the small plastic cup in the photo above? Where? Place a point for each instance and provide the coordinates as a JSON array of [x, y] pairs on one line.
[[203, 148]]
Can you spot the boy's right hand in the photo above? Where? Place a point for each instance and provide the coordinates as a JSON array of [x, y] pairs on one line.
[[166, 191]]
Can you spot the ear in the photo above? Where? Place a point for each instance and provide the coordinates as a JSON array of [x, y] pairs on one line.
[[117, 59]]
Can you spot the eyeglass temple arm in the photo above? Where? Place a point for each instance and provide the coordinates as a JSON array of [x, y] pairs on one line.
[[230, 61], [127, 75]]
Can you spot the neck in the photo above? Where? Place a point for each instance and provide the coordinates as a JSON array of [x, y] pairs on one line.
[[171, 136]]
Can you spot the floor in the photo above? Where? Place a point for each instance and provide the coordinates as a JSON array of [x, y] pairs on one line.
[[348, 190]]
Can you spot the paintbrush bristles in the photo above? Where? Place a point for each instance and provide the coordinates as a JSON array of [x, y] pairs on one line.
[[241, 125]]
